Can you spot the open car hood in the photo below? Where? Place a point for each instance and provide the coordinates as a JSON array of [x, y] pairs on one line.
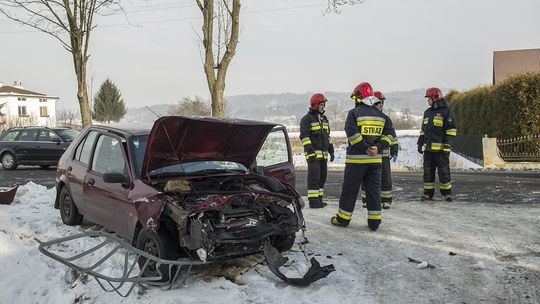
[[179, 139]]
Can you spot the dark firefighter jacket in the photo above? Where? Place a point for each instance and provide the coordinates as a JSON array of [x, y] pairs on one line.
[[367, 126], [393, 149], [315, 135], [438, 128]]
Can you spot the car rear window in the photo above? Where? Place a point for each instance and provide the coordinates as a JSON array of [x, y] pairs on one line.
[[10, 135], [68, 135], [84, 149]]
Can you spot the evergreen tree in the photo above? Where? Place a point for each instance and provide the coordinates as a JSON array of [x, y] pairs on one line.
[[108, 103]]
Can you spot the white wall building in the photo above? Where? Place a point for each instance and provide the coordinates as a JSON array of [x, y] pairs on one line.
[[20, 107]]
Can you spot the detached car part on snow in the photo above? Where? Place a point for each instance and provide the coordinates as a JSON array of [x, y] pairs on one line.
[[7, 196], [186, 191]]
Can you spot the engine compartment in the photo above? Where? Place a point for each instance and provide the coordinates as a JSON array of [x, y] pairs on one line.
[[228, 216]]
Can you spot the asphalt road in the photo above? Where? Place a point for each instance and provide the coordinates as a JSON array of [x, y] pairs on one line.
[[491, 187], [487, 187]]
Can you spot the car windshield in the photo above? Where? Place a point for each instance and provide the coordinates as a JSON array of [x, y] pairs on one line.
[[138, 146], [68, 135]]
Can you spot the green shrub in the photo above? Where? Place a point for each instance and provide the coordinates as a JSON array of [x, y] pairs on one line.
[[506, 110]]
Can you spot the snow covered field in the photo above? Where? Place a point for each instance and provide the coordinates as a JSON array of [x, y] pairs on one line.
[[496, 246], [408, 157]]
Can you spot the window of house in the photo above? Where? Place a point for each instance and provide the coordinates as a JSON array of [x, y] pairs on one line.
[[21, 99], [42, 100], [43, 112], [84, 149], [22, 111], [28, 135]]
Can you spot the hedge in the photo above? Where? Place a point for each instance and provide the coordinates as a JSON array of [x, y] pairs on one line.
[[506, 110]]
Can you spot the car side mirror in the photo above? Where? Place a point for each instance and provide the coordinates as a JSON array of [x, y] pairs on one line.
[[56, 140], [259, 170], [114, 178]]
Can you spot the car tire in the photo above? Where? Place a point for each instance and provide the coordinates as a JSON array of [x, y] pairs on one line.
[[68, 210], [8, 161], [44, 167], [161, 245], [283, 242]]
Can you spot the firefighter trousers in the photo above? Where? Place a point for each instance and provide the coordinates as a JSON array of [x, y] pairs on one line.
[[316, 177], [440, 162], [356, 175], [386, 183]]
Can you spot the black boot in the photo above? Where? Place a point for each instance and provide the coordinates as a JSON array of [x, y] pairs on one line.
[[338, 221], [426, 197], [373, 224], [317, 204]]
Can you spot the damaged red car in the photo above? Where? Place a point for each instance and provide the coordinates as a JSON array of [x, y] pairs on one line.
[[204, 189]]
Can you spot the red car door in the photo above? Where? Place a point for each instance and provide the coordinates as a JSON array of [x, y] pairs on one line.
[[78, 166], [106, 202], [275, 156]]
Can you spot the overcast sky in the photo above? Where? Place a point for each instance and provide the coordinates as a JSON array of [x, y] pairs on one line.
[[285, 46]]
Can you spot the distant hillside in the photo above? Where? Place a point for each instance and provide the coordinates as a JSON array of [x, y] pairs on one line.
[[266, 105], [261, 106]]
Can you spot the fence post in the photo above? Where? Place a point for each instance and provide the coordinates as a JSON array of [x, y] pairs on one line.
[[492, 159]]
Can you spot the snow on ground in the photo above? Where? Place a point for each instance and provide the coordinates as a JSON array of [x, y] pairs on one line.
[[408, 157], [497, 258]]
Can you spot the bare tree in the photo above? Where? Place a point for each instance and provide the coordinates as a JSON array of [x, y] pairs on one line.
[[190, 107], [221, 20], [403, 120], [337, 116], [335, 5], [68, 21], [19, 121]]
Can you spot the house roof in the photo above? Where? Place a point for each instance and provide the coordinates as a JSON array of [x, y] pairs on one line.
[[10, 89], [508, 63]]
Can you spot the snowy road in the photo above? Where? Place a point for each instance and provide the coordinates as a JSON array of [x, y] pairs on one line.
[[497, 259], [471, 186], [484, 186]]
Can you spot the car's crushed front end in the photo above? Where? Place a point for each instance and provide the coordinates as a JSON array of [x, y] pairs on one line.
[[226, 216]]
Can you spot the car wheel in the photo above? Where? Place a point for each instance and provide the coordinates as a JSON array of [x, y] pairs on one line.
[[283, 242], [68, 211], [159, 244], [44, 167], [9, 162]]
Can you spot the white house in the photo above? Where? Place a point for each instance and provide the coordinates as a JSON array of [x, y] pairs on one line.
[[20, 107]]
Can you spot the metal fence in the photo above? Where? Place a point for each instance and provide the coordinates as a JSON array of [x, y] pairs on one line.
[[523, 149], [470, 147]]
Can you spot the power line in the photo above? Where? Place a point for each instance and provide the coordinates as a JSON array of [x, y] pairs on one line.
[[191, 18]]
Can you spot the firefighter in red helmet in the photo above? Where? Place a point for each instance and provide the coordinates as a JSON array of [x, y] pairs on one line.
[[387, 155], [318, 148], [435, 142], [369, 133]]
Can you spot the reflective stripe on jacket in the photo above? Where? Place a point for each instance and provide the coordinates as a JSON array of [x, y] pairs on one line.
[[438, 128], [367, 126], [315, 135]]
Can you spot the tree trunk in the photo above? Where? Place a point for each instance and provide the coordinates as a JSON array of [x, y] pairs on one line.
[[217, 98], [79, 61], [82, 95], [216, 83]]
